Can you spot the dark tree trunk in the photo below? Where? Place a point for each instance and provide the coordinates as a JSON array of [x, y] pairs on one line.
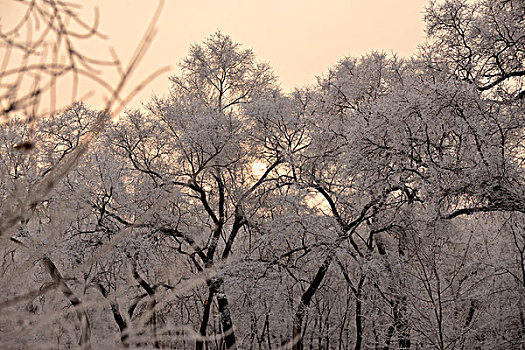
[[85, 337], [226, 321], [115, 310], [305, 302], [151, 305], [199, 344], [121, 323], [215, 287]]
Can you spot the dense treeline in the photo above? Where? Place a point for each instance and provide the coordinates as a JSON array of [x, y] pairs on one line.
[[381, 208]]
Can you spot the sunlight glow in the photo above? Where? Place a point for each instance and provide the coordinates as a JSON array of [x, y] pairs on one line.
[[258, 168]]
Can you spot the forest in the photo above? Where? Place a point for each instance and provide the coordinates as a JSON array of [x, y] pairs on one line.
[[381, 208]]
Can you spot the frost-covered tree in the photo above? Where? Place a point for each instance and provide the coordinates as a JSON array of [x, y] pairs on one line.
[[199, 147]]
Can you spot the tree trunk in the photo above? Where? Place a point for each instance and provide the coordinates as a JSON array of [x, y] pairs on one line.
[[122, 325], [85, 336], [199, 343], [226, 321], [121, 322], [215, 287], [151, 305], [305, 301]]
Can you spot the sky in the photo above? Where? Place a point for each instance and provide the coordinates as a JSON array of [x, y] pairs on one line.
[[299, 39]]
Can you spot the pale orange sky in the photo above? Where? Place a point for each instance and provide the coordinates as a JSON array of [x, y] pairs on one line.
[[299, 39]]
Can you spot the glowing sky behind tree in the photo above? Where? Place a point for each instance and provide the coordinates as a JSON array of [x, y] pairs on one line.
[[300, 39]]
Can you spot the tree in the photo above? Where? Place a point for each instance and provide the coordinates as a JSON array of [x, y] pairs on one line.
[[201, 128]]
